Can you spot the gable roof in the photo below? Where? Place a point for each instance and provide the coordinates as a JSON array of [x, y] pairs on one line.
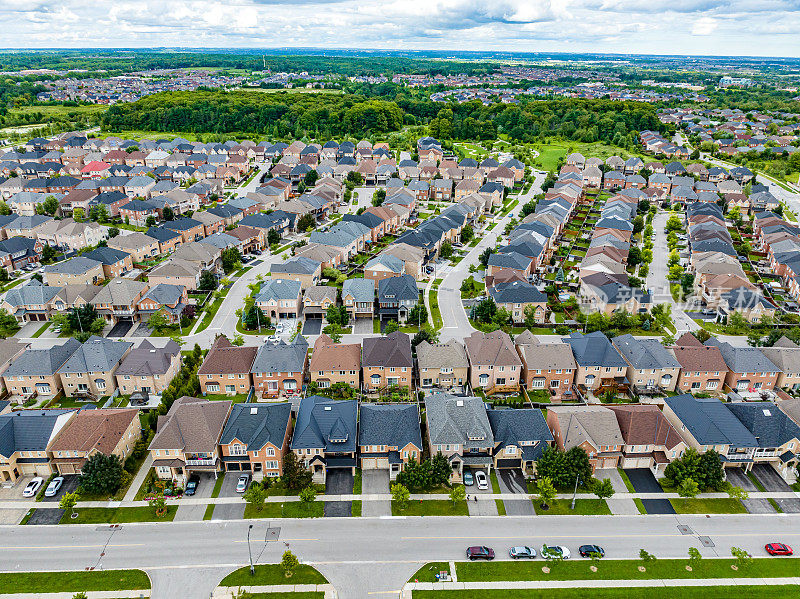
[[283, 357], [96, 355], [256, 424], [645, 425], [42, 362], [770, 426], [393, 350], [514, 426], [30, 430], [327, 424], [225, 358], [394, 425], [494, 349], [644, 353], [192, 424], [148, 360], [594, 349], [99, 430], [591, 423], [710, 422], [458, 420]]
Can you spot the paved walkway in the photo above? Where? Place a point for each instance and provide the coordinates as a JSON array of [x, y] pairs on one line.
[[231, 592], [137, 481], [592, 583], [618, 505]]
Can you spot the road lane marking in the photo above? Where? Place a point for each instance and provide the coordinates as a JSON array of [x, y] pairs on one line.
[[397, 592], [281, 539], [74, 546]]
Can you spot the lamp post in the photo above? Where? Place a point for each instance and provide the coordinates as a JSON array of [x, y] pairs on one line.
[[575, 492], [249, 551]]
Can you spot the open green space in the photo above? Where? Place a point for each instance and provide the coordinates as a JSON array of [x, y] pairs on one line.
[[724, 505], [430, 507], [118, 515], [73, 582], [583, 507], [550, 153], [289, 509], [269, 574], [625, 569], [702, 592]]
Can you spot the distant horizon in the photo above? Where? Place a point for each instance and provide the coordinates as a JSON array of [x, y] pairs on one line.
[[690, 28]]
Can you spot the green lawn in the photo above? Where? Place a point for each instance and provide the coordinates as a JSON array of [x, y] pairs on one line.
[[427, 573], [41, 330], [583, 507], [218, 485], [289, 509], [355, 508], [73, 582], [725, 505], [119, 515], [431, 507], [269, 574], [700, 592], [357, 482], [623, 569], [626, 480], [436, 314], [209, 513]]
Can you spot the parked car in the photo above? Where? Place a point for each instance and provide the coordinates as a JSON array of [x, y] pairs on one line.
[[522, 552], [33, 487], [191, 485], [480, 552], [272, 339], [468, 480], [242, 483], [483, 481], [54, 486], [778, 549], [555, 551], [591, 551]]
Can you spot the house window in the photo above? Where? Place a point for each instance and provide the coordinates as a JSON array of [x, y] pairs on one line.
[[237, 449], [212, 387]]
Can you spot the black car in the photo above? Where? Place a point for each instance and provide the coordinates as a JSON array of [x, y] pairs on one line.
[[591, 551], [191, 485]]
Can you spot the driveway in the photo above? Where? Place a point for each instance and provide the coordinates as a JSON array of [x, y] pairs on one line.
[[738, 478], [478, 505], [15, 492], [226, 511], [362, 326], [46, 516], [617, 505], [512, 481], [69, 485], [312, 326], [772, 481], [228, 487], [339, 482], [196, 512], [643, 480], [120, 329], [658, 506], [375, 482]]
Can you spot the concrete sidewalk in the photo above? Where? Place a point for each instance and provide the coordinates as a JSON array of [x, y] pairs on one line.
[[231, 592]]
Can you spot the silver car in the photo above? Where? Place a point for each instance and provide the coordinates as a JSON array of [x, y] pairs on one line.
[[522, 552], [54, 486]]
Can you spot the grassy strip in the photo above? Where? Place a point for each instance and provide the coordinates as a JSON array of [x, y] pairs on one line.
[[119, 515], [305, 595], [357, 482], [583, 507], [73, 582], [209, 512], [41, 330], [639, 505], [355, 509], [626, 480], [218, 486], [436, 314], [430, 507], [290, 509], [428, 572], [501, 507], [756, 482], [622, 569], [725, 505], [270, 574], [702, 592]]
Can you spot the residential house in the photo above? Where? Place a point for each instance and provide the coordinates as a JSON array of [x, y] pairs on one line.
[[256, 438], [777, 434], [389, 436], [495, 366], [520, 299], [35, 371], [650, 440], [396, 297], [333, 363], [442, 365], [115, 262], [358, 297], [600, 366], [75, 271], [748, 368], [279, 370], [298, 268], [141, 247], [548, 367], [148, 368], [226, 368], [651, 367], [280, 299], [90, 370], [593, 428], [118, 300], [520, 437], [317, 300], [25, 436], [386, 362]]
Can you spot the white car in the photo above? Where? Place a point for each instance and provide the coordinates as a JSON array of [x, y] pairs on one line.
[[33, 487], [54, 486], [482, 480], [241, 484], [555, 552]]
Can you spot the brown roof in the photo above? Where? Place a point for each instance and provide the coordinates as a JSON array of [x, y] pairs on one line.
[[224, 358], [700, 359], [688, 340], [243, 232], [494, 349], [645, 425], [99, 430], [192, 424], [328, 355]]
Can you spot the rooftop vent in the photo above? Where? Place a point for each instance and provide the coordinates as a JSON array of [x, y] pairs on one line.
[[254, 410], [767, 412], [460, 403], [328, 408]]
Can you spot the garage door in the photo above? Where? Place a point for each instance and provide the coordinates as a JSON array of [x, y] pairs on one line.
[[369, 463], [610, 463], [383, 462], [636, 463]]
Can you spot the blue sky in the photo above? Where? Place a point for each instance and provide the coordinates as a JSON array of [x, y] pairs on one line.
[[717, 27]]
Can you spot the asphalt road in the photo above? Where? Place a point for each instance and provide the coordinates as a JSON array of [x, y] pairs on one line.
[[193, 556]]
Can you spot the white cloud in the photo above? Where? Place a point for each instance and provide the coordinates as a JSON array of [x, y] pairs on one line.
[[626, 26]]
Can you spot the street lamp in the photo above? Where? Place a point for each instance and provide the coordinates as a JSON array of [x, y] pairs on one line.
[[575, 492], [249, 551]]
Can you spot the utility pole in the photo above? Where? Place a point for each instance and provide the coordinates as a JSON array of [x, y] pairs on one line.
[[249, 551], [575, 492]]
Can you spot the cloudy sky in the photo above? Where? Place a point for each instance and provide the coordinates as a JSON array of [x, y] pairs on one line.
[[727, 27]]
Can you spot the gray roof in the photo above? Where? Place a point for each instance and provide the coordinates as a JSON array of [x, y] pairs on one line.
[[362, 290], [106, 255], [458, 420], [33, 293], [326, 423], [770, 426], [96, 355], [283, 357], [512, 427], [743, 359], [399, 288], [442, 355], [297, 265], [74, 266], [393, 350], [147, 359], [395, 425], [29, 430], [517, 292], [42, 362], [594, 349], [710, 422], [163, 293], [592, 423], [644, 353], [256, 424], [278, 289], [391, 262]]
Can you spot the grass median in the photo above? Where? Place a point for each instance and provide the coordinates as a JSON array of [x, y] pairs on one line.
[[289, 509], [660, 592], [73, 582], [563, 507], [722, 505], [269, 574], [430, 507], [119, 515]]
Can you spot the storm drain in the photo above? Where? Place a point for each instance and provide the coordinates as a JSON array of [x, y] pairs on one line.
[[706, 541], [684, 530], [273, 534]]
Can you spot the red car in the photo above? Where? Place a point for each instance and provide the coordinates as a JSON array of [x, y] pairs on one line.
[[778, 549], [480, 552]]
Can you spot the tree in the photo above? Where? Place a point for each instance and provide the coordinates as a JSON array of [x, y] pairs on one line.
[[150, 221], [168, 213], [308, 495], [101, 474], [418, 315], [379, 197], [4, 209], [458, 493], [688, 489], [254, 318], [638, 224], [306, 222], [157, 321], [467, 234], [674, 223], [67, 502], [98, 213], [48, 253], [736, 492], [310, 178], [391, 327], [545, 490], [743, 559], [337, 315], [84, 319], [646, 557], [426, 333], [400, 495], [50, 205], [208, 281], [446, 250], [78, 215], [295, 475], [695, 557], [113, 232], [289, 563], [231, 259], [256, 495], [273, 237], [603, 488], [238, 340], [484, 257], [355, 177], [675, 272]]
